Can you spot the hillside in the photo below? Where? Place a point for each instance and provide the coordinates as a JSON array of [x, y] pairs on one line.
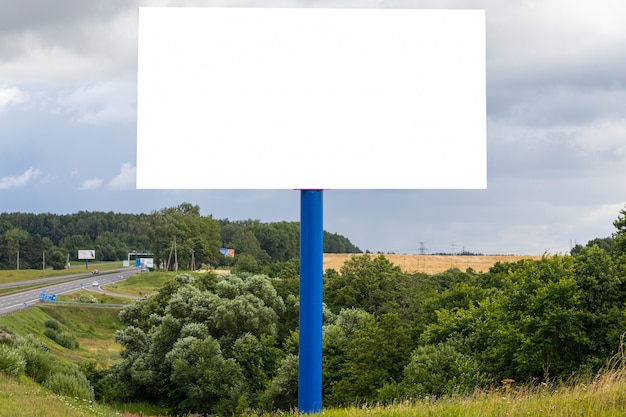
[[429, 264]]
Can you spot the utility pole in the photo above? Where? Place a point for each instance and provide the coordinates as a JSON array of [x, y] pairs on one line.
[[422, 249], [44, 261], [18, 259], [169, 258], [175, 256]]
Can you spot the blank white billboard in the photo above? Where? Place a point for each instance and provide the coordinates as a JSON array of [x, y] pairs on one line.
[[240, 98], [87, 254]]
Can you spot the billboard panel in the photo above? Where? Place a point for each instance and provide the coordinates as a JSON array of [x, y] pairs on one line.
[[87, 254], [147, 262], [343, 98], [230, 253]]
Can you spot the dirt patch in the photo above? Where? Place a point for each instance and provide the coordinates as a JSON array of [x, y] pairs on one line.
[[429, 264]]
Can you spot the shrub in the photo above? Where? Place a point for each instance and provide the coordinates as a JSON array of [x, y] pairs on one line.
[[70, 384], [49, 333], [39, 363], [11, 361], [67, 340], [52, 324], [441, 369], [30, 340], [86, 298], [282, 392]]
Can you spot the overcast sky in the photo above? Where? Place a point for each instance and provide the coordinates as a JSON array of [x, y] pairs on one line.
[[556, 129]]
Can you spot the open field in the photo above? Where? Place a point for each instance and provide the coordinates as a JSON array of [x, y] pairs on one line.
[[429, 264]]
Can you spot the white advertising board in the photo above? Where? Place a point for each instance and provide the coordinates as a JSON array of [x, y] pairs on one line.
[[147, 262], [87, 254], [243, 98]]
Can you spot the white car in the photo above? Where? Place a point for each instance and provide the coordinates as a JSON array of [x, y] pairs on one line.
[[95, 283]]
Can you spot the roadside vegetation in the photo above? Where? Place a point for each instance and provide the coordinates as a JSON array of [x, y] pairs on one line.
[[531, 337], [11, 276]]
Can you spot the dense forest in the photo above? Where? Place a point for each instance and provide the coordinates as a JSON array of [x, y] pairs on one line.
[[222, 344], [28, 240]]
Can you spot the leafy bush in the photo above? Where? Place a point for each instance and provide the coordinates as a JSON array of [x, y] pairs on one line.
[[11, 361], [441, 369], [49, 333], [67, 340], [39, 364], [52, 324], [283, 390], [63, 338], [86, 298], [30, 340], [73, 384]]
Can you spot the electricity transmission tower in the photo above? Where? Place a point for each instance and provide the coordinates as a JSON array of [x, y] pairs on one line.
[[422, 249]]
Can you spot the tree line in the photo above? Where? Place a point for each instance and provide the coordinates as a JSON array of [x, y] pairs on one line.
[[225, 344], [28, 241]]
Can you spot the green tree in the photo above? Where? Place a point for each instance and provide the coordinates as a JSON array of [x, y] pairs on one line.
[[374, 285], [619, 235], [203, 380], [376, 354], [601, 300], [438, 370], [56, 259]]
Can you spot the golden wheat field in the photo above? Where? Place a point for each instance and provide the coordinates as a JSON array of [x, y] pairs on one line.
[[429, 264]]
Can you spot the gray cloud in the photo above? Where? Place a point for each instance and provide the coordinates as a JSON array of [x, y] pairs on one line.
[[556, 85]]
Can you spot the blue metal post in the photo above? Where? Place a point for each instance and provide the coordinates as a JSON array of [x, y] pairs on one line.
[[311, 252]]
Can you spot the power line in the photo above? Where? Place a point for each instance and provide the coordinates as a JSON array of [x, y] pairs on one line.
[[422, 248]]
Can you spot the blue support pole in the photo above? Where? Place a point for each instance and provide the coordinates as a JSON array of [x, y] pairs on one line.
[[311, 256]]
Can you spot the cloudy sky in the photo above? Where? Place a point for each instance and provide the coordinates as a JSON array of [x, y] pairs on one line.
[[556, 129]]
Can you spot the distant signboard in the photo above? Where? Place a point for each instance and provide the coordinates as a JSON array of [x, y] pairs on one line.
[[147, 262], [87, 254], [230, 253]]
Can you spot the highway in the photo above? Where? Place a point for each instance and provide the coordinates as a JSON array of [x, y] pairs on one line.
[[13, 302]]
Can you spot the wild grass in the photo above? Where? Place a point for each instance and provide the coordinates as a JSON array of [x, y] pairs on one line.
[[9, 276], [141, 285], [22, 397], [602, 396], [98, 298], [93, 329]]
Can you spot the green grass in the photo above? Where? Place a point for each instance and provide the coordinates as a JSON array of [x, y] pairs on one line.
[[9, 276], [94, 329], [23, 397], [604, 396], [99, 298], [141, 285]]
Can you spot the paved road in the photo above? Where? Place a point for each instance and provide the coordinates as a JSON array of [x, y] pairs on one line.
[[86, 274], [13, 302]]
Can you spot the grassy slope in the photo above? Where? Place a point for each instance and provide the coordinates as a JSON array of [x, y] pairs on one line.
[[605, 396], [93, 329], [141, 285], [23, 397]]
